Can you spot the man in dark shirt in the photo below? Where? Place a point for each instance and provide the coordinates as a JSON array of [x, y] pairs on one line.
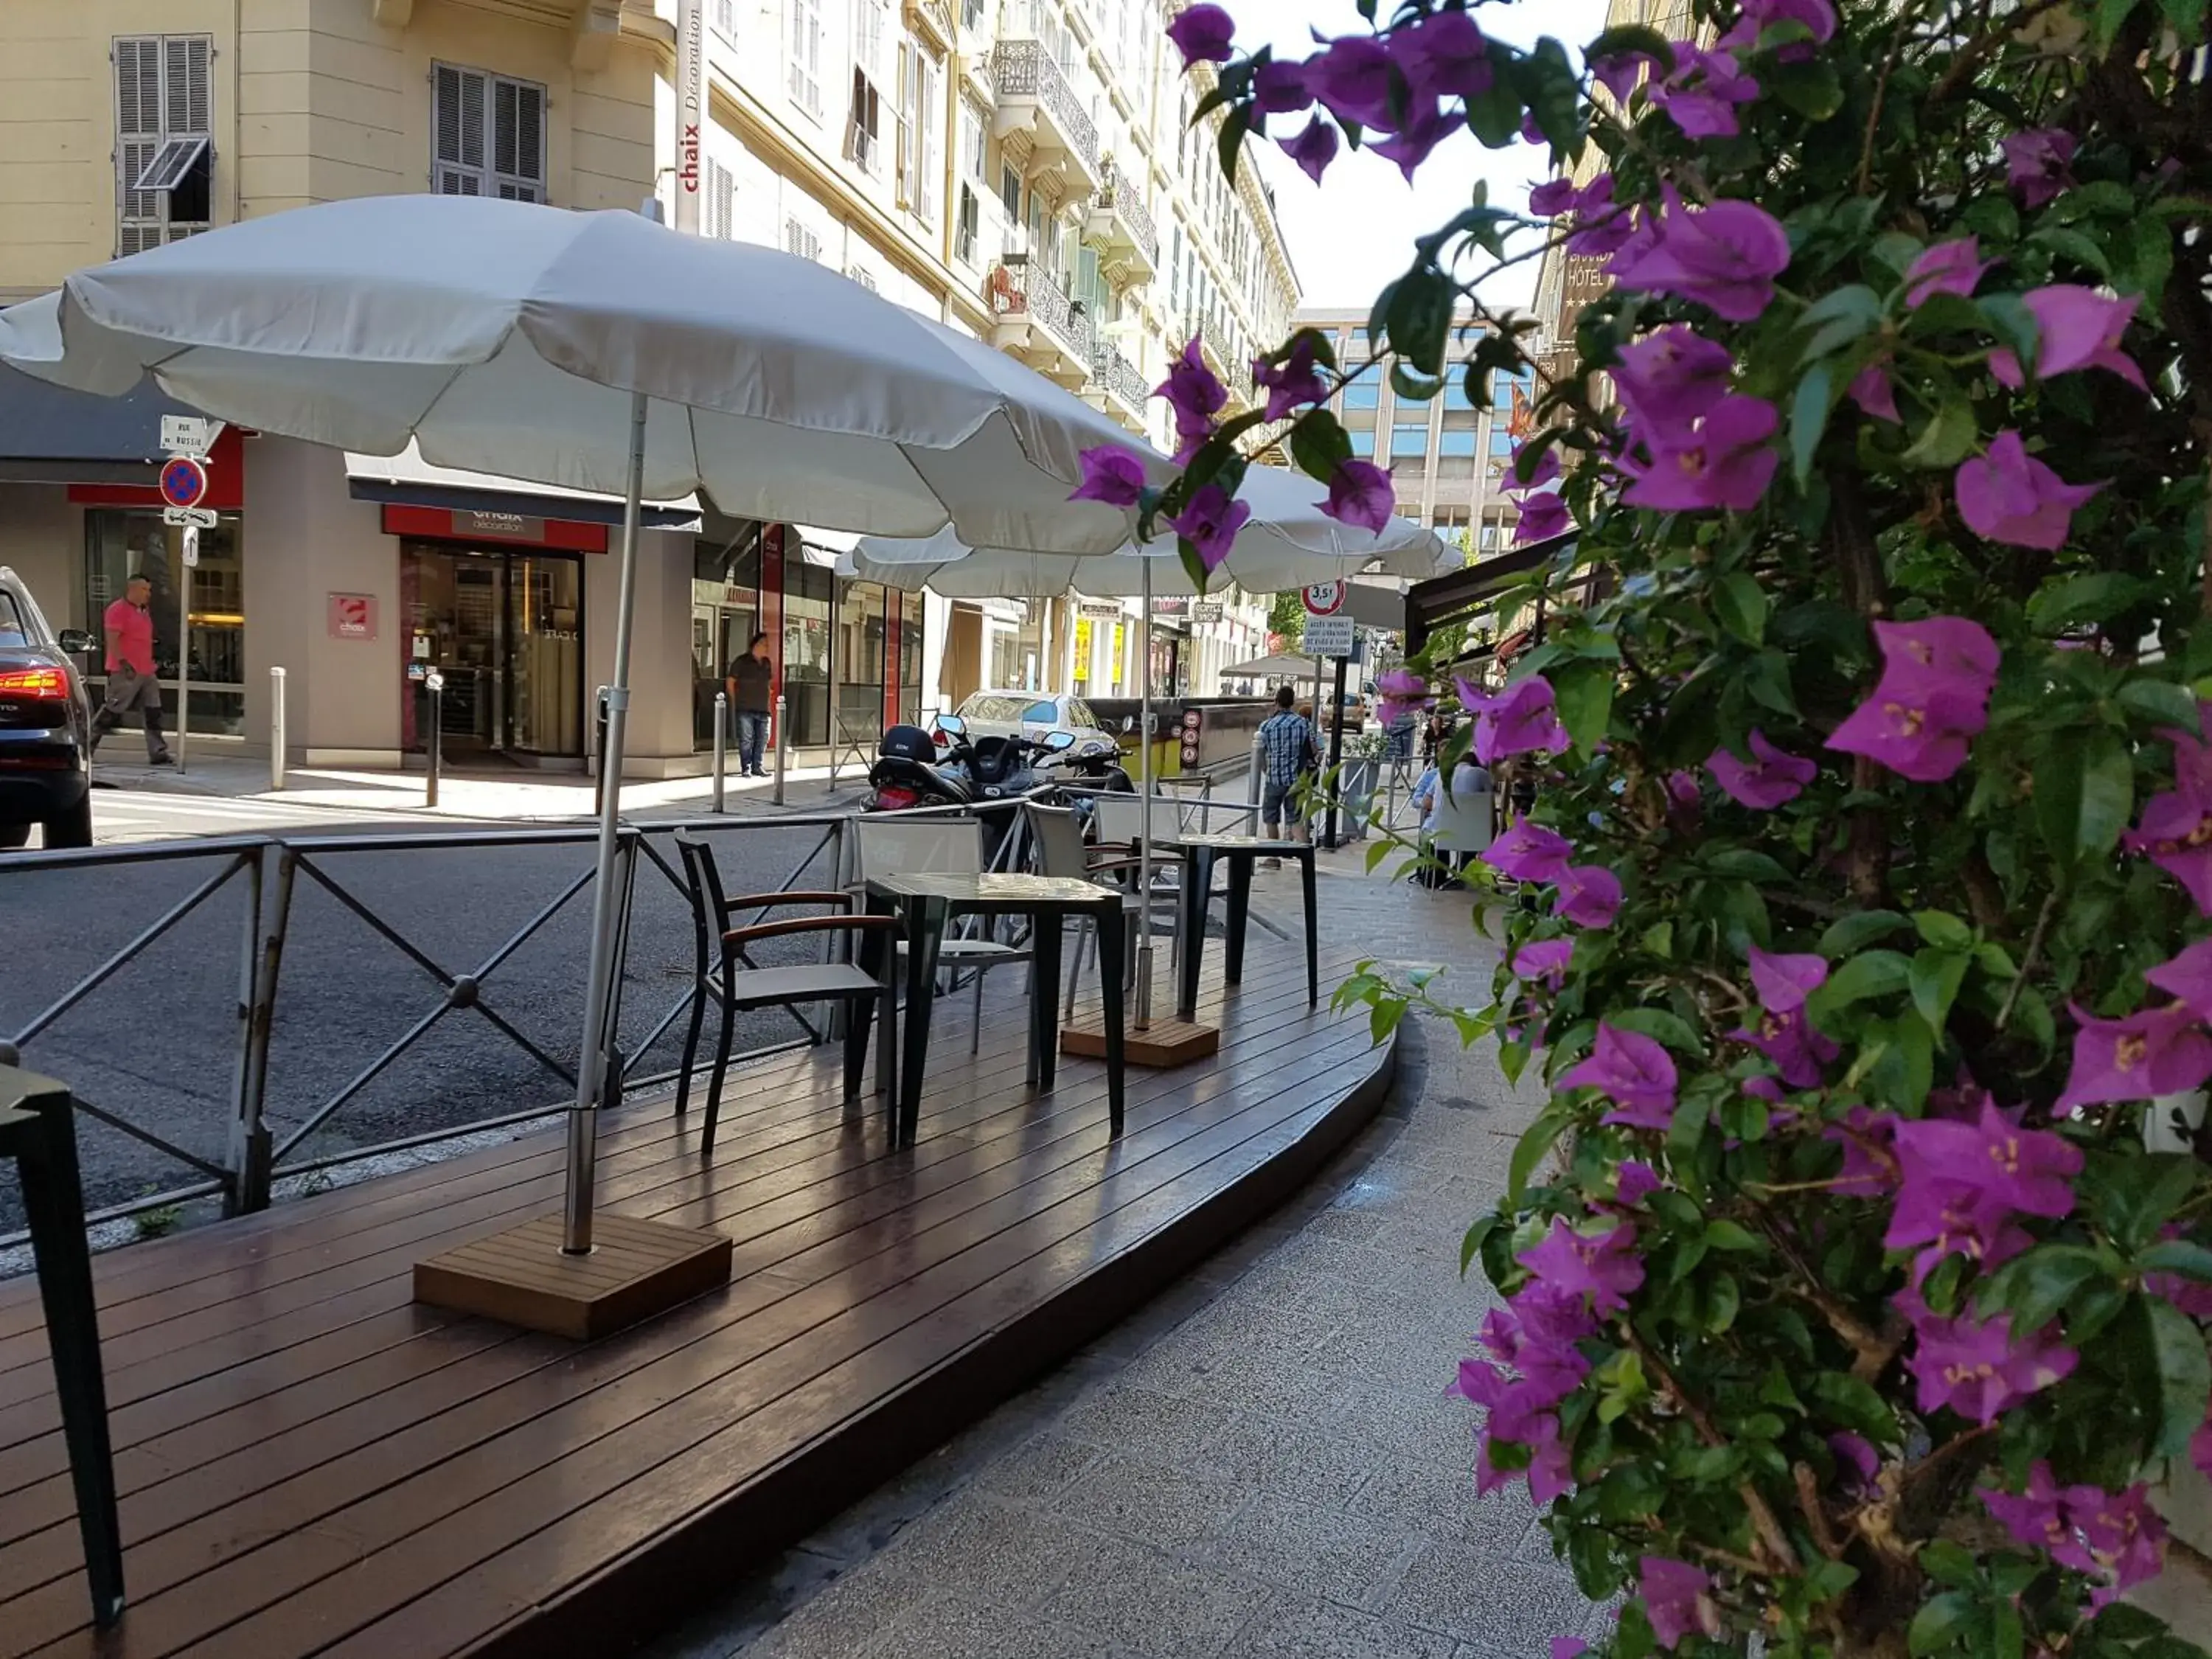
[[752, 688]]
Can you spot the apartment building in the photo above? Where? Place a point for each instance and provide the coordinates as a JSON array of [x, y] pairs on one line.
[[1447, 456], [1020, 173]]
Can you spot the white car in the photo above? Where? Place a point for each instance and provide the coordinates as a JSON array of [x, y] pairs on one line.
[[1034, 715]]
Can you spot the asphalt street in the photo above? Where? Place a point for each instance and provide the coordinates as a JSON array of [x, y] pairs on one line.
[[157, 1044]]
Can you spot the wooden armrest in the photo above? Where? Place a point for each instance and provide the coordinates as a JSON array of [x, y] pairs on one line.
[[761, 930], [769, 901]]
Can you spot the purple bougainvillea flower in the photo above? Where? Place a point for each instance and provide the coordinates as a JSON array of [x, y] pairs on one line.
[[2176, 832], [1543, 959], [1442, 55], [1554, 196], [1522, 720], [1600, 228], [1946, 268], [2080, 328], [1543, 515], [1528, 851], [2192, 1296], [1943, 647], [1426, 126], [1672, 376], [1618, 72], [2123, 1536], [1351, 79], [1783, 982], [1602, 1267], [1279, 88], [1757, 17], [1210, 524], [1977, 1370], [1522, 475], [1871, 390], [1569, 1647], [1870, 1167], [2039, 163], [1727, 461], [2187, 978], [1360, 494], [2158, 1051], [2033, 1516], [1724, 256], [1111, 474], [1933, 695], [1632, 1071], [1589, 896], [1948, 1220], [1191, 389], [1402, 692], [1677, 1599], [1203, 35], [1294, 382], [1313, 147], [1856, 1459], [1634, 1182], [1771, 778], [2007, 495], [1798, 1052], [2200, 1450], [2031, 1170], [1704, 92]]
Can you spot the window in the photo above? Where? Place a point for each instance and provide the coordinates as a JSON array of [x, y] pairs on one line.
[[919, 79], [120, 543], [1409, 441], [718, 214], [861, 275], [798, 240], [1010, 193], [1456, 441], [864, 124], [725, 18], [1364, 389], [1501, 440], [488, 136], [971, 14], [163, 164], [1456, 396], [1363, 442], [13, 631], [806, 55], [969, 228]]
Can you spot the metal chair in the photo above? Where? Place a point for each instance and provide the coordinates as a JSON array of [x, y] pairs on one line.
[[1057, 834], [913, 845], [1120, 820], [737, 983]]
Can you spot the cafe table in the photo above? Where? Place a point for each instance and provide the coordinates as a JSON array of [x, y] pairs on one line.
[[1240, 853], [927, 902]]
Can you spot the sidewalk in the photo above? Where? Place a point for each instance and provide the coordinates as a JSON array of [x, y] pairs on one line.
[[1263, 1464]]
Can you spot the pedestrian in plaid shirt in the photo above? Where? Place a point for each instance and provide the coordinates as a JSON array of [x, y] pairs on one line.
[[1287, 753]]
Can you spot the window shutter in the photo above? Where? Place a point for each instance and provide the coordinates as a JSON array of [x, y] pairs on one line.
[[925, 195], [726, 17], [184, 90], [457, 130], [518, 139], [722, 201]]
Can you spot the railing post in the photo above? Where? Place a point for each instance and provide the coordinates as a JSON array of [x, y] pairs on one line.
[[782, 739], [251, 1156], [277, 744], [721, 747]]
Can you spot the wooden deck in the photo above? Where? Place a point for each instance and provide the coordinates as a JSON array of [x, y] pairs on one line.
[[312, 1464]]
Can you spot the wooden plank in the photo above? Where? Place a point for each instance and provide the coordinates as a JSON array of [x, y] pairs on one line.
[[520, 1277]]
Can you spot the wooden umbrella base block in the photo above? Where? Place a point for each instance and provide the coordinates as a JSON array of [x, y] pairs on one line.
[[520, 1277], [1162, 1046]]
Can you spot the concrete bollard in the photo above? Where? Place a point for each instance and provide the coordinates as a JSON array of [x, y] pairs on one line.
[[276, 728]]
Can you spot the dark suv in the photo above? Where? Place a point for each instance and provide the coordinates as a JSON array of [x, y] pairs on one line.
[[46, 726]]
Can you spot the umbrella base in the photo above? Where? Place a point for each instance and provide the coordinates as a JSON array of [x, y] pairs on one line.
[[1162, 1046], [520, 1276]]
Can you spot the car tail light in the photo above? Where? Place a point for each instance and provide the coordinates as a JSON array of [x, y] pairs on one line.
[[53, 682]]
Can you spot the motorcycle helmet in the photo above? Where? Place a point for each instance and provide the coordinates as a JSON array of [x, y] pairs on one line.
[[908, 742]]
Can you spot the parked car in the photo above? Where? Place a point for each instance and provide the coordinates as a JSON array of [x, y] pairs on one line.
[[46, 726], [1034, 715]]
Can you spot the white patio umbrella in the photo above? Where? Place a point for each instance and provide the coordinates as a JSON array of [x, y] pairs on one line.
[[593, 351], [1288, 542]]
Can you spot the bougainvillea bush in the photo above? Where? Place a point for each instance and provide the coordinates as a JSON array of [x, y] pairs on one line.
[[1863, 915]]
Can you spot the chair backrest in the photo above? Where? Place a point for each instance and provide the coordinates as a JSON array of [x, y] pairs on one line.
[[1463, 821], [892, 845], [1060, 848], [1121, 818], [706, 883]]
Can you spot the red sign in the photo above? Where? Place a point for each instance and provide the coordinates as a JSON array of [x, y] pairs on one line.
[[353, 617], [439, 524], [184, 481]]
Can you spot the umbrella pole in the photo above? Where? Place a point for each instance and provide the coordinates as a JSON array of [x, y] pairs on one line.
[[607, 898], [1145, 821]]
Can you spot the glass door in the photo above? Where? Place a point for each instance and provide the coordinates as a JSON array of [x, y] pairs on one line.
[[545, 667], [456, 624]]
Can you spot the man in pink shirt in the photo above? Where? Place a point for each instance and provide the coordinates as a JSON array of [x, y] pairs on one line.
[[131, 684]]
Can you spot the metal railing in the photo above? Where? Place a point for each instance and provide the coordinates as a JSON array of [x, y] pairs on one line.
[[1026, 68], [1124, 199], [1121, 379], [1030, 291]]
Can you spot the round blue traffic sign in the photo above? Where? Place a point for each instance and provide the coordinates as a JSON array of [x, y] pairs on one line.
[[184, 481]]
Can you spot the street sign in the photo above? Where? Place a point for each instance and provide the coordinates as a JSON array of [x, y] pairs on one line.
[[1205, 611], [184, 481], [1100, 610], [187, 434], [1326, 636], [204, 518], [192, 547], [1324, 598]]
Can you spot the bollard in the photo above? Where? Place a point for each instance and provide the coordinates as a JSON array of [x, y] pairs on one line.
[[276, 728], [721, 747], [1255, 780], [781, 748], [434, 684]]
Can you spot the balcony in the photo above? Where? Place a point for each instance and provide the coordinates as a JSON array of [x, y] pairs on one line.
[[1118, 388], [1043, 121], [1037, 322], [1120, 228]]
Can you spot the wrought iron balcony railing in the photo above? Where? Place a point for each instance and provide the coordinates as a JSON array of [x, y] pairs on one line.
[[1125, 198], [1023, 69]]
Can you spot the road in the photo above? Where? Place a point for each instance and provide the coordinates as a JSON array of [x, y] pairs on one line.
[[157, 1044]]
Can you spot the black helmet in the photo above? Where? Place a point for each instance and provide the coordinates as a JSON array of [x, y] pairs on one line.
[[908, 742]]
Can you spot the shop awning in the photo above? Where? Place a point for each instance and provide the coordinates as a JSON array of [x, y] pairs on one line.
[[407, 480], [49, 434], [1465, 592]]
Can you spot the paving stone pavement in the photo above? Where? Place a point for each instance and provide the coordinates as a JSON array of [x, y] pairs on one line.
[[1261, 1464]]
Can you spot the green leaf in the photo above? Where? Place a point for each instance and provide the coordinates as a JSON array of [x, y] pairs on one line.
[[1809, 86], [1808, 418], [1943, 930], [2184, 1376], [1626, 38], [1234, 126], [1419, 320], [2091, 597], [1940, 1623], [1947, 438], [1741, 603], [2074, 245], [2162, 702], [2084, 793], [1412, 388], [1872, 974], [1583, 690], [1947, 1562], [1471, 1246], [1319, 444], [1840, 317], [1529, 1151], [2178, 1256], [1743, 864], [1726, 1235], [2033, 1288], [2111, 16], [1936, 978], [1854, 933], [1659, 1025], [1383, 1018]]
